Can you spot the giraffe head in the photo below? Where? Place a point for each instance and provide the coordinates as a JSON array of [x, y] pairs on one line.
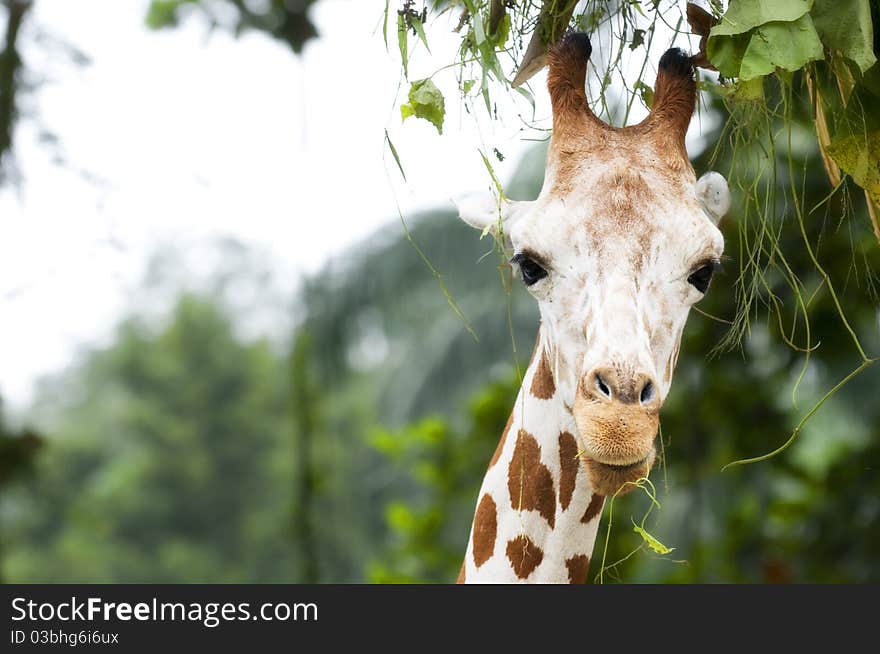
[[619, 245]]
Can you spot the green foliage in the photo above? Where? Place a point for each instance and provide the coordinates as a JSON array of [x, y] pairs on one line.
[[859, 157], [845, 28], [755, 37], [655, 545], [283, 20], [444, 465], [425, 101], [162, 466], [165, 13], [786, 45]]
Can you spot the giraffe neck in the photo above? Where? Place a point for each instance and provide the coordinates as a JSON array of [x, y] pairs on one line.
[[536, 516]]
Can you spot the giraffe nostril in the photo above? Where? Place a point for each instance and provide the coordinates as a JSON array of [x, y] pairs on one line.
[[602, 386], [647, 393]]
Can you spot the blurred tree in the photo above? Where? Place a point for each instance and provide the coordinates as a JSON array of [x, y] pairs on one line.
[[444, 465], [18, 81], [304, 411], [17, 453], [164, 464], [10, 76], [285, 20]]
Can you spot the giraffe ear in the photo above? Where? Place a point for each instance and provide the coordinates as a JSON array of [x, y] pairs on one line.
[[486, 212], [714, 196]]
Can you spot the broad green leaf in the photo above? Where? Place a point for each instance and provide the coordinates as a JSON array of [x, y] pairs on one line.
[[726, 52], [467, 85], [859, 157], [781, 45], [425, 101], [755, 37], [744, 15], [845, 27], [787, 45], [652, 542]]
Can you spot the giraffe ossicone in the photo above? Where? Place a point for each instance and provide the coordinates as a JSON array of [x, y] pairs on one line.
[[620, 243]]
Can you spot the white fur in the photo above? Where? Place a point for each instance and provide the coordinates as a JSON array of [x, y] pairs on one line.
[[714, 195], [487, 213]]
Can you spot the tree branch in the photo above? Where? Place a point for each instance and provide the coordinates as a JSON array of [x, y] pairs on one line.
[[10, 65]]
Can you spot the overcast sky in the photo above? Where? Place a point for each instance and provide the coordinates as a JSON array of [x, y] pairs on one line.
[[184, 135]]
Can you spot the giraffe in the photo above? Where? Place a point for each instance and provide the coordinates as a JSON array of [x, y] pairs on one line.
[[620, 243]]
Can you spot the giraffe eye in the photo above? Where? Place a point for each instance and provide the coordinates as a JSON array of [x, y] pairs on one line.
[[531, 271], [701, 277]]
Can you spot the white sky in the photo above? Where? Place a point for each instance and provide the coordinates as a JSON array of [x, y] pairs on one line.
[[193, 136], [185, 136]]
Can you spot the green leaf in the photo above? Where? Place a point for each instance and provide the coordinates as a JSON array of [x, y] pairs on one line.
[[745, 15], [638, 39], [425, 101], [787, 45], [859, 157], [479, 32], [402, 44], [394, 154], [652, 542], [527, 95], [781, 45], [726, 52], [495, 181], [503, 32], [385, 25], [750, 90], [420, 30], [755, 37], [467, 85], [645, 92], [845, 27], [163, 13]]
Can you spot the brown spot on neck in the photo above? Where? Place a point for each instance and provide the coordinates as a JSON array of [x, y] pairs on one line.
[[578, 566], [543, 386], [594, 508], [568, 466], [524, 556], [485, 530], [529, 482]]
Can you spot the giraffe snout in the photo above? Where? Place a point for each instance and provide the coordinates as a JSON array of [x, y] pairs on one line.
[[621, 385], [617, 414]]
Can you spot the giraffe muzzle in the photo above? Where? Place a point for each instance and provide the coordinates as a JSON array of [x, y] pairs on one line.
[[618, 418]]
